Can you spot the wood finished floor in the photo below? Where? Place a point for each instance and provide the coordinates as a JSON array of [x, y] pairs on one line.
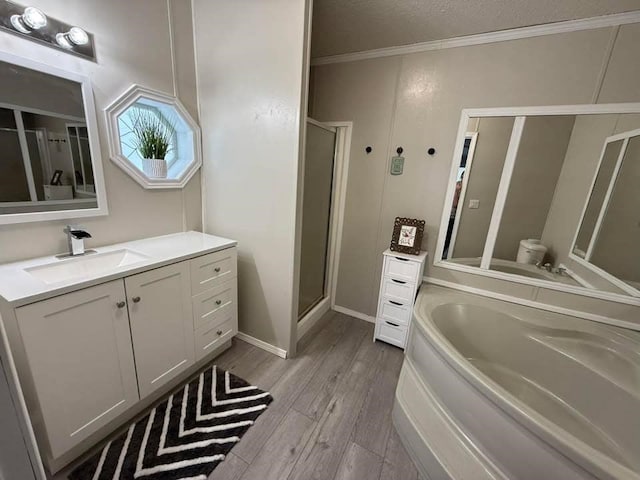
[[331, 414]]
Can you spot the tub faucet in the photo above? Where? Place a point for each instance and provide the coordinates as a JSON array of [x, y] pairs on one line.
[[75, 236]]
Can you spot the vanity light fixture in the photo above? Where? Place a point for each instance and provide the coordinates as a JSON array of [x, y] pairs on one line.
[[31, 19], [33, 24], [75, 36]]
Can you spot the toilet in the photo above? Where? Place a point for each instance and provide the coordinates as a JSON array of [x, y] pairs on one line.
[[531, 251]]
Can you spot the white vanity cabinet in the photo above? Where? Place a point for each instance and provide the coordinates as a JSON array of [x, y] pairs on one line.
[[91, 356], [80, 357], [160, 314], [401, 278]]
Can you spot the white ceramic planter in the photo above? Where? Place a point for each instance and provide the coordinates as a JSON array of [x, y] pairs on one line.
[[154, 168]]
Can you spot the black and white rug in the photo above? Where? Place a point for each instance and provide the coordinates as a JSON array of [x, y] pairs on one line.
[[184, 437]]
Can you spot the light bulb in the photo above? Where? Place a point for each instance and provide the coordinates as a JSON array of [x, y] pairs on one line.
[[31, 19], [75, 36]]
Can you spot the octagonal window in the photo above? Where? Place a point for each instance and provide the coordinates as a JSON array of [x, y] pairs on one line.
[[153, 138]]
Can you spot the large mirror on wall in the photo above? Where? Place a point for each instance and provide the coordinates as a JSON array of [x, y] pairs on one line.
[[51, 166], [548, 196]]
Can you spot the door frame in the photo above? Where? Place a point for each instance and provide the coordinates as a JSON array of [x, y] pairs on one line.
[[338, 200]]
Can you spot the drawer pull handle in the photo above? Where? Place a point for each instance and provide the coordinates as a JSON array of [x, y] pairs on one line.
[[398, 281], [392, 324], [402, 259], [219, 332], [396, 303], [136, 299], [120, 304], [217, 269], [218, 302]]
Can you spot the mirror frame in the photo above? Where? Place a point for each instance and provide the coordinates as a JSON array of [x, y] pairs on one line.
[[94, 146], [525, 111]]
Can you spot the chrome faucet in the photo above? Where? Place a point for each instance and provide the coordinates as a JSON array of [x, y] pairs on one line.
[[547, 266], [75, 236]]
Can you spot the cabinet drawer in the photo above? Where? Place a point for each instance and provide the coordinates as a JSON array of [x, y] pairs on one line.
[[394, 311], [400, 290], [212, 269], [209, 337], [401, 268], [214, 303], [394, 335]]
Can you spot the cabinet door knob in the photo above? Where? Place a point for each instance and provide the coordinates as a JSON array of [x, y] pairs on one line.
[[217, 269], [219, 332], [121, 304], [135, 299], [218, 302]]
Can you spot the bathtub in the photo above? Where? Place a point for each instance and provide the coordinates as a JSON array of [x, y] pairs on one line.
[[524, 269], [493, 390]]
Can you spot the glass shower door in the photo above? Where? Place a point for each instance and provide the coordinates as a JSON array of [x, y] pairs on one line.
[[316, 215]]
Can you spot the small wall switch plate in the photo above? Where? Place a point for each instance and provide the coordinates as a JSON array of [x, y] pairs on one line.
[[474, 203], [397, 165]]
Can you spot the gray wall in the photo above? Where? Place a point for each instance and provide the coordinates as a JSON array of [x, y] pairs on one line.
[[133, 46], [482, 184], [250, 66], [415, 101], [541, 154]]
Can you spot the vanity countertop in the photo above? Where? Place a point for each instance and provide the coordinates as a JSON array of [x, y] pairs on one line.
[[18, 287]]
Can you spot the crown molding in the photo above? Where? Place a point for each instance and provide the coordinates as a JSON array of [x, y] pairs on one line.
[[490, 37]]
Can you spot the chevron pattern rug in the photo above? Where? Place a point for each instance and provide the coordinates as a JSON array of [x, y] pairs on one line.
[[184, 437]]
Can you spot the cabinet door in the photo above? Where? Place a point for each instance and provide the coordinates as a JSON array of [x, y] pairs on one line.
[[161, 324], [78, 349]]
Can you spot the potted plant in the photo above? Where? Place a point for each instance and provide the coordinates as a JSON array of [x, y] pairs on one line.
[[153, 138]]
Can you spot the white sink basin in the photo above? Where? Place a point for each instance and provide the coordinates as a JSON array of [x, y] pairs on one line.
[[87, 266]]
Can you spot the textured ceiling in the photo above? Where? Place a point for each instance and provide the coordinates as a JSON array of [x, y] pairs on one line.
[[345, 26]]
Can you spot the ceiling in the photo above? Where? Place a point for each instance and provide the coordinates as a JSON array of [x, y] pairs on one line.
[[345, 26]]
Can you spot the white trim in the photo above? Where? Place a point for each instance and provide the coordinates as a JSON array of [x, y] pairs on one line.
[[94, 146], [324, 126], [119, 106], [338, 203], [256, 342], [26, 156], [621, 284], [503, 191], [473, 136], [576, 277], [354, 314], [531, 303], [37, 111], [312, 317], [490, 37]]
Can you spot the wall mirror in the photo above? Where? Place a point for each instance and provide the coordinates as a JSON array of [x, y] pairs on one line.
[[51, 165], [547, 196]]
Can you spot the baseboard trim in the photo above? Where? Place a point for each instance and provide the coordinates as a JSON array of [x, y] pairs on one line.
[[532, 303], [256, 342], [353, 313], [311, 318], [567, 26]]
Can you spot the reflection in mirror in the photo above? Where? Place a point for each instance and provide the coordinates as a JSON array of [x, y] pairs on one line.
[[47, 164], [613, 245], [550, 198]]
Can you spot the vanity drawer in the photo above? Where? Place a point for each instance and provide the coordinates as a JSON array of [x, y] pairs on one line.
[[391, 334], [394, 311], [400, 290], [214, 334], [214, 303], [213, 269], [401, 268]]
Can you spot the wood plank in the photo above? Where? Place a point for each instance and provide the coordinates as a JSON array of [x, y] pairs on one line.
[[231, 355], [317, 394], [374, 423], [231, 468], [277, 458], [288, 387], [322, 454], [359, 464], [397, 464]]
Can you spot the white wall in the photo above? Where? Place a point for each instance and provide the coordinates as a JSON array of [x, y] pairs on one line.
[[415, 100], [250, 70], [133, 45]]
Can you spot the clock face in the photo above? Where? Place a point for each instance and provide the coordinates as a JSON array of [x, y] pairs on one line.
[[407, 236]]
